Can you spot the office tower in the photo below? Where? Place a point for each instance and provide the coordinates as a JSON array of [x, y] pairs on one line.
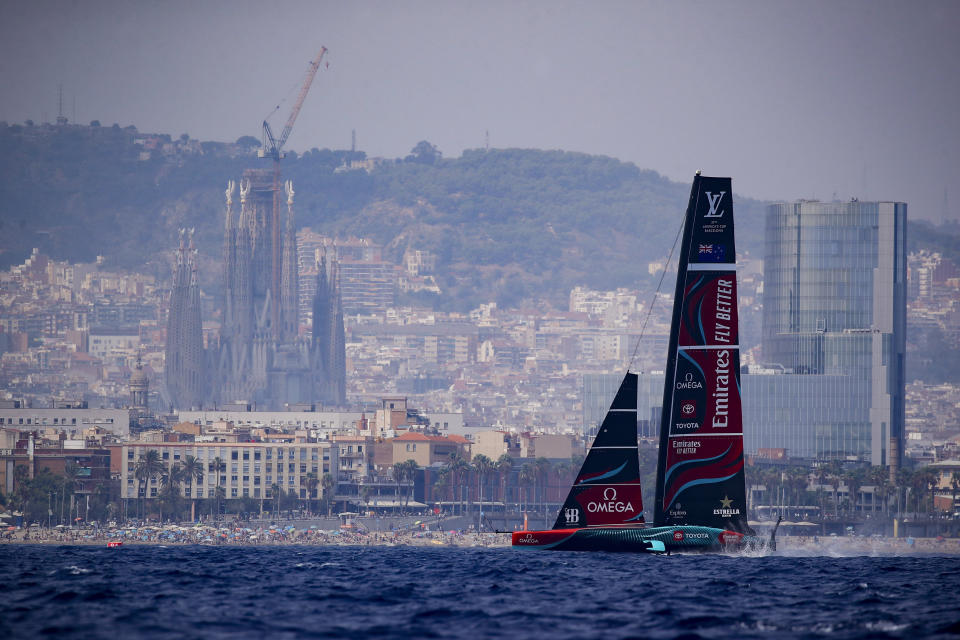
[[834, 306]]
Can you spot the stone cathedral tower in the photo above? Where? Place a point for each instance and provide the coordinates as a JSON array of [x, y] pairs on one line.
[[261, 356], [185, 358]]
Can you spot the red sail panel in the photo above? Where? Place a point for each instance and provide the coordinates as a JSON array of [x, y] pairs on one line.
[[703, 481], [602, 505], [706, 393], [709, 312]]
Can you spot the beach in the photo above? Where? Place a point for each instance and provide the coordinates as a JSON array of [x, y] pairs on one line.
[[271, 535], [289, 534]]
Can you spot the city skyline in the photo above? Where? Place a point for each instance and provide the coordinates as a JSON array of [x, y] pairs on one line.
[[860, 92]]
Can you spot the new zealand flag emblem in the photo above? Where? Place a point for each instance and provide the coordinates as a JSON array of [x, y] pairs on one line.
[[711, 252]]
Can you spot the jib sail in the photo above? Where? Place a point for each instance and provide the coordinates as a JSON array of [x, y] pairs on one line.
[[607, 489], [700, 477]]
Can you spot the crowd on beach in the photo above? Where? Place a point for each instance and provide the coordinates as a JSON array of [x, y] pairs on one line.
[[879, 545], [238, 534], [242, 534]]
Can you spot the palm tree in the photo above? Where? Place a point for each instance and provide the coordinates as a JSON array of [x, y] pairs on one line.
[[927, 482], [192, 469], [526, 477], [799, 481], [504, 465], [70, 473], [442, 482], [327, 483], [408, 473], [275, 492], [902, 486], [954, 488], [543, 467], [880, 477], [149, 466], [398, 471], [835, 471], [216, 467], [312, 482], [460, 470], [821, 475], [483, 465], [21, 486], [219, 495], [170, 488], [365, 494], [854, 481]]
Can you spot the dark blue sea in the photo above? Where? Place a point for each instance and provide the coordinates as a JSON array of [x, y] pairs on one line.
[[401, 592]]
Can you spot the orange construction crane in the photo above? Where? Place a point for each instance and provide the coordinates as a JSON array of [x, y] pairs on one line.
[[273, 148]]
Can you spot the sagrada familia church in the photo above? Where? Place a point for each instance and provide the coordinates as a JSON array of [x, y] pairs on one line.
[[261, 356]]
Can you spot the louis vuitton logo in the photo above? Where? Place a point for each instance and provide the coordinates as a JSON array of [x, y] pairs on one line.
[[714, 203]]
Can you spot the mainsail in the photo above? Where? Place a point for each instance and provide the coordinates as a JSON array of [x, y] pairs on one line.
[[700, 477], [607, 489]]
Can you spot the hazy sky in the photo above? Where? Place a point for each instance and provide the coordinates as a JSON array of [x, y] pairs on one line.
[[792, 99]]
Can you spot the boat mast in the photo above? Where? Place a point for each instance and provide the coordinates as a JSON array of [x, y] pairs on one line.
[[667, 406]]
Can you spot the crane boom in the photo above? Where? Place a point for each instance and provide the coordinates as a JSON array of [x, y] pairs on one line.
[[275, 148], [275, 151], [311, 72]]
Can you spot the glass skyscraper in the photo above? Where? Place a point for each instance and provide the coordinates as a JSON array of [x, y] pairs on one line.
[[834, 325]]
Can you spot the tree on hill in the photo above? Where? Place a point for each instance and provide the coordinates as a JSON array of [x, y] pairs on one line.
[[248, 141], [424, 153]]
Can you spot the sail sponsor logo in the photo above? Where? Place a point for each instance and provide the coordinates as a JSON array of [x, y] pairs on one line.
[[725, 301], [677, 511], [572, 515], [686, 446], [610, 504], [692, 535], [714, 201], [721, 391], [726, 508], [688, 411], [730, 537], [688, 382]]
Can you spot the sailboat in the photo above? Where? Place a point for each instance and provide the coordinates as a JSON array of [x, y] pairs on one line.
[[700, 500]]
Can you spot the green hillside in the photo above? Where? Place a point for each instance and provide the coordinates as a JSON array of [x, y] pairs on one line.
[[505, 224]]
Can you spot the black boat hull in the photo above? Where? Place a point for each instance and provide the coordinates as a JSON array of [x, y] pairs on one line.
[[685, 538]]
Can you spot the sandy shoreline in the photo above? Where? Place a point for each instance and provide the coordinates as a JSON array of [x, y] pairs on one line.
[[790, 545], [246, 537]]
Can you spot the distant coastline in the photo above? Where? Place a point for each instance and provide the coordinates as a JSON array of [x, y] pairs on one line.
[[789, 545]]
